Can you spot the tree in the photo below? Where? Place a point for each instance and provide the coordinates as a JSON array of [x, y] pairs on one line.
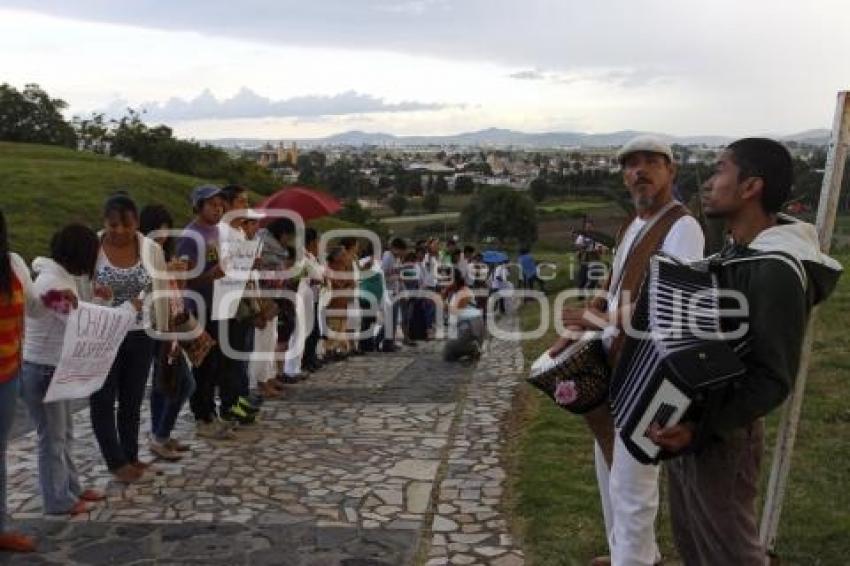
[[464, 185], [93, 132], [441, 186], [431, 202], [398, 203], [31, 116], [502, 213], [539, 189]]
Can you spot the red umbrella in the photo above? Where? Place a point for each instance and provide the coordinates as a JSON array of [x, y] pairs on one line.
[[309, 203]]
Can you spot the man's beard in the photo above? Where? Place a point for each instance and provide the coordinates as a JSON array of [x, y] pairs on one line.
[[643, 202]]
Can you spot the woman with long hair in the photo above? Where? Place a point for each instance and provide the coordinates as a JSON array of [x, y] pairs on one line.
[[131, 266], [15, 296], [63, 279]]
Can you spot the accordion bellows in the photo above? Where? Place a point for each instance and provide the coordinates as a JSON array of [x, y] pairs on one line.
[[576, 379], [679, 358]]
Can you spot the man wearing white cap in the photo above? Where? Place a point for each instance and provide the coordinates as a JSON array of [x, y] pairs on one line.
[[629, 489]]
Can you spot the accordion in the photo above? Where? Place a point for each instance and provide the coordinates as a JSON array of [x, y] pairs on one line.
[[672, 356]]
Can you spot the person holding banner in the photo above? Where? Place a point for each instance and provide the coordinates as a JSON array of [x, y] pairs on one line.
[[16, 296], [127, 264], [63, 279]]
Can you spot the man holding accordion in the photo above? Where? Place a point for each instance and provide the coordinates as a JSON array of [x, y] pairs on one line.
[[776, 265]]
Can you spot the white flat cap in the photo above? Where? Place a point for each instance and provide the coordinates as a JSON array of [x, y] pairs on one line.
[[652, 144]]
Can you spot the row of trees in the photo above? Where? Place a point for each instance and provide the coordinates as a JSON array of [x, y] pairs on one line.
[[32, 116]]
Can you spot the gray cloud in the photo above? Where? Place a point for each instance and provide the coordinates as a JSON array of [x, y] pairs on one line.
[[709, 51], [528, 75], [248, 104]]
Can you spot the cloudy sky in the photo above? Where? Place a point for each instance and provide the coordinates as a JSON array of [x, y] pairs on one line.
[[279, 69]]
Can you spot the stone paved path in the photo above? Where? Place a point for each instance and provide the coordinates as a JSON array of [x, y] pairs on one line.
[[386, 459]]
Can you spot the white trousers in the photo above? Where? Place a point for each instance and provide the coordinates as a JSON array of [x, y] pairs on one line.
[[262, 367], [629, 493], [303, 326]]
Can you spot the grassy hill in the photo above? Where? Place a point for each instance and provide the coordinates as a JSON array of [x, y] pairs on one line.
[[45, 187]]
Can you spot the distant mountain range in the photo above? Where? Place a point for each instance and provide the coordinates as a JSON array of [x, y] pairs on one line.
[[497, 137]]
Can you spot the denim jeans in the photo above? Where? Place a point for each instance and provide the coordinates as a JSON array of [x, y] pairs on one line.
[[8, 396], [165, 407], [57, 475], [119, 439]]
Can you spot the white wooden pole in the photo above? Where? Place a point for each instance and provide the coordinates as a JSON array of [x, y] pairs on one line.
[[787, 433]]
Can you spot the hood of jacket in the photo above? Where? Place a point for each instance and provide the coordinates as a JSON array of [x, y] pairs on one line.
[[796, 243]]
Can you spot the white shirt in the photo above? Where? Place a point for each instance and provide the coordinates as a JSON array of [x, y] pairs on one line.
[[685, 241], [429, 271]]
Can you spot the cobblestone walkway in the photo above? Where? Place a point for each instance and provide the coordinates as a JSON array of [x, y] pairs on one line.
[[386, 459]]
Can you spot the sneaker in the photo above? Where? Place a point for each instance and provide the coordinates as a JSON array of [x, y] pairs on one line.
[[255, 399], [162, 450], [238, 414], [247, 406]]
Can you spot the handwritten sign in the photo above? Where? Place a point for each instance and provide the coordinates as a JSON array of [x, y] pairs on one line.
[[93, 335], [238, 258]]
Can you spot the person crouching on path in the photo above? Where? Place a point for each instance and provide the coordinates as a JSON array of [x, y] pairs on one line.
[[775, 262]]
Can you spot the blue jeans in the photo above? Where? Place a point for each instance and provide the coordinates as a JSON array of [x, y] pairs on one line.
[[57, 475], [165, 407], [8, 396], [126, 382]]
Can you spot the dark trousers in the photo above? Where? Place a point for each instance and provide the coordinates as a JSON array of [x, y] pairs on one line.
[[531, 281], [309, 358], [119, 438], [713, 501], [367, 322], [166, 406], [247, 346], [217, 370]]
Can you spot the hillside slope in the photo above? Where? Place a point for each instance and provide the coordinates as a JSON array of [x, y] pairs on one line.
[[45, 187]]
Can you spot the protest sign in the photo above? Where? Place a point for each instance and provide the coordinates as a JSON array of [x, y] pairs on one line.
[[237, 260], [93, 335]]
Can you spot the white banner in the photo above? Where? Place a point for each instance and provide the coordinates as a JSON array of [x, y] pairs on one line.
[[237, 261], [92, 338]]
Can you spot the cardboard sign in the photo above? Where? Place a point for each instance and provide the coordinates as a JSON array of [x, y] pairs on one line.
[[93, 335]]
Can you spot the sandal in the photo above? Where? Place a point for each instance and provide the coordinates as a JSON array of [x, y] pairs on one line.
[[127, 474], [79, 508], [92, 495], [177, 446], [16, 542]]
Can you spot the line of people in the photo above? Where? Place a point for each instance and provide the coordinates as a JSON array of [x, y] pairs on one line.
[[168, 278]]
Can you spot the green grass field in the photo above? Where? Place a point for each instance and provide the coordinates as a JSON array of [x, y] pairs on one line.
[[44, 187], [554, 494]]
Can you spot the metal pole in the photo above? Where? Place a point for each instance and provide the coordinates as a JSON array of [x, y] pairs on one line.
[[787, 432]]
